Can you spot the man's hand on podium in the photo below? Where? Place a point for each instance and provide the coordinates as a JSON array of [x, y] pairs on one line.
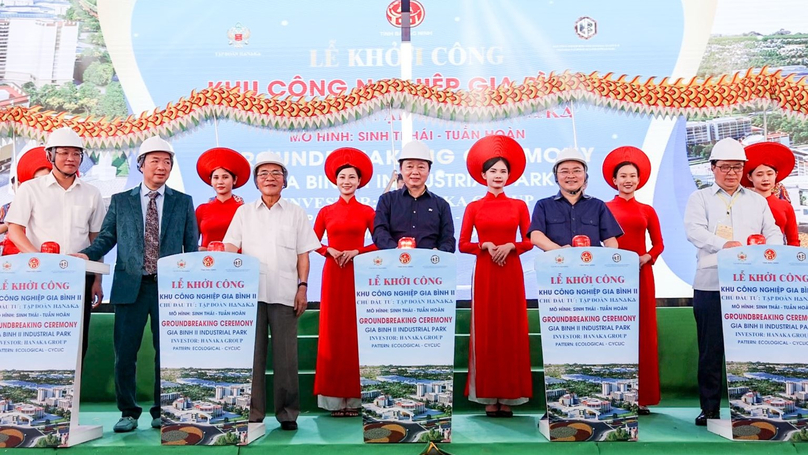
[[79, 255]]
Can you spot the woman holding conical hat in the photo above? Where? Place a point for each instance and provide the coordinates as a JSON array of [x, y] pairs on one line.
[[499, 350], [33, 163], [768, 163], [627, 169], [224, 169], [336, 380]]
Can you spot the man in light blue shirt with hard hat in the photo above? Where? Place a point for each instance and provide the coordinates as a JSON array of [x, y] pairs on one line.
[[718, 217]]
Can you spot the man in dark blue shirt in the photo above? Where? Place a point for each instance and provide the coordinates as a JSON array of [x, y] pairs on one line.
[[557, 219], [414, 211]]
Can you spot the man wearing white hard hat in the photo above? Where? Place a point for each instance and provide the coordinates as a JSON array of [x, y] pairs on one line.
[[559, 218], [279, 234], [720, 216], [148, 222], [413, 210], [60, 207]]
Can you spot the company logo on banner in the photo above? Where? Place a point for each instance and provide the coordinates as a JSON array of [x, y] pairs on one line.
[[207, 337], [238, 36], [764, 303], [589, 309], [40, 333], [586, 27], [394, 14], [406, 325]]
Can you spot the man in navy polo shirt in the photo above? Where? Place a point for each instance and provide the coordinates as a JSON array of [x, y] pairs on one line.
[[557, 219], [414, 211]]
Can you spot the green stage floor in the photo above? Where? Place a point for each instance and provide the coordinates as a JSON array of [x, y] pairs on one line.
[[668, 430]]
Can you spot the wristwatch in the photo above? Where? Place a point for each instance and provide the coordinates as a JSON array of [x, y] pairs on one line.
[[302, 283]]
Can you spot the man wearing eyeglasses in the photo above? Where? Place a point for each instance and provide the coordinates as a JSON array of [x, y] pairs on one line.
[[720, 216], [59, 207], [279, 234], [557, 219]]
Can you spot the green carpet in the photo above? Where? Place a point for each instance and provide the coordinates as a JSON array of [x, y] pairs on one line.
[[668, 429]]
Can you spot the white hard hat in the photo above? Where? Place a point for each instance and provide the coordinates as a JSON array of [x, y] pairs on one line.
[[154, 144], [570, 154], [415, 150], [268, 158], [728, 149], [64, 137]]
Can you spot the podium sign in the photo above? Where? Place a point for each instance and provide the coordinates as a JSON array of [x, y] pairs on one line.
[[764, 307], [405, 308], [589, 314], [208, 305], [41, 308]]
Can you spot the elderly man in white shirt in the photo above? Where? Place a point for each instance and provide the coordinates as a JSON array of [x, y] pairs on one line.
[[279, 234], [59, 207], [718, 217]]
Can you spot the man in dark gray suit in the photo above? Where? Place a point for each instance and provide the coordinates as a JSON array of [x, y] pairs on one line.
[[147, 222]]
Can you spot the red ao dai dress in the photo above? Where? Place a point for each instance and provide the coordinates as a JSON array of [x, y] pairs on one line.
[[499, 352], [337, 375], [214, 217], [636, 218]]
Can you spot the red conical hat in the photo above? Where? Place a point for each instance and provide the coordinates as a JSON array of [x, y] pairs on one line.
[[30, 162], [492, 147], [225, 158], [349, 156], [629, 154]]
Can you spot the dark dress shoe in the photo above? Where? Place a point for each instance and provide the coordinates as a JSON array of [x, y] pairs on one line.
[[492, 413], [506, 414], [643, 411], [289, 425], [701, 420]]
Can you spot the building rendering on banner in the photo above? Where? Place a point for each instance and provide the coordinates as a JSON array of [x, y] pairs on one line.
[[227, 402], [622, 392], [36, 43], [788, 404]]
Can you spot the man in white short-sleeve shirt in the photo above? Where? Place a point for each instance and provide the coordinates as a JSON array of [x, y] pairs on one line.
[[59, 207], [279, 234]]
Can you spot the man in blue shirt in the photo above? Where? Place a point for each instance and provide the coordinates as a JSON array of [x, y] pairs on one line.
[[557, 219], [414, 211]]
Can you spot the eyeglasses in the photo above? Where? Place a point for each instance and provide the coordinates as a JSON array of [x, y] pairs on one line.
[[263, 175], [566, 172], [76, 155], [726, 168]]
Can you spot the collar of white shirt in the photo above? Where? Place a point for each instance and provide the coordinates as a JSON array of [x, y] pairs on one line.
[[50, 179], [260, 202]]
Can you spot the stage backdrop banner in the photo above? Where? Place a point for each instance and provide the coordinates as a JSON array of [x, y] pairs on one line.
[[405, 308], [208, 307], [589, 310], [764, 304], [40, 340]]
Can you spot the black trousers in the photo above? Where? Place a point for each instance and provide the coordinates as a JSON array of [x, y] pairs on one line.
[[707, 310], [88, 309], [130, 320]]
